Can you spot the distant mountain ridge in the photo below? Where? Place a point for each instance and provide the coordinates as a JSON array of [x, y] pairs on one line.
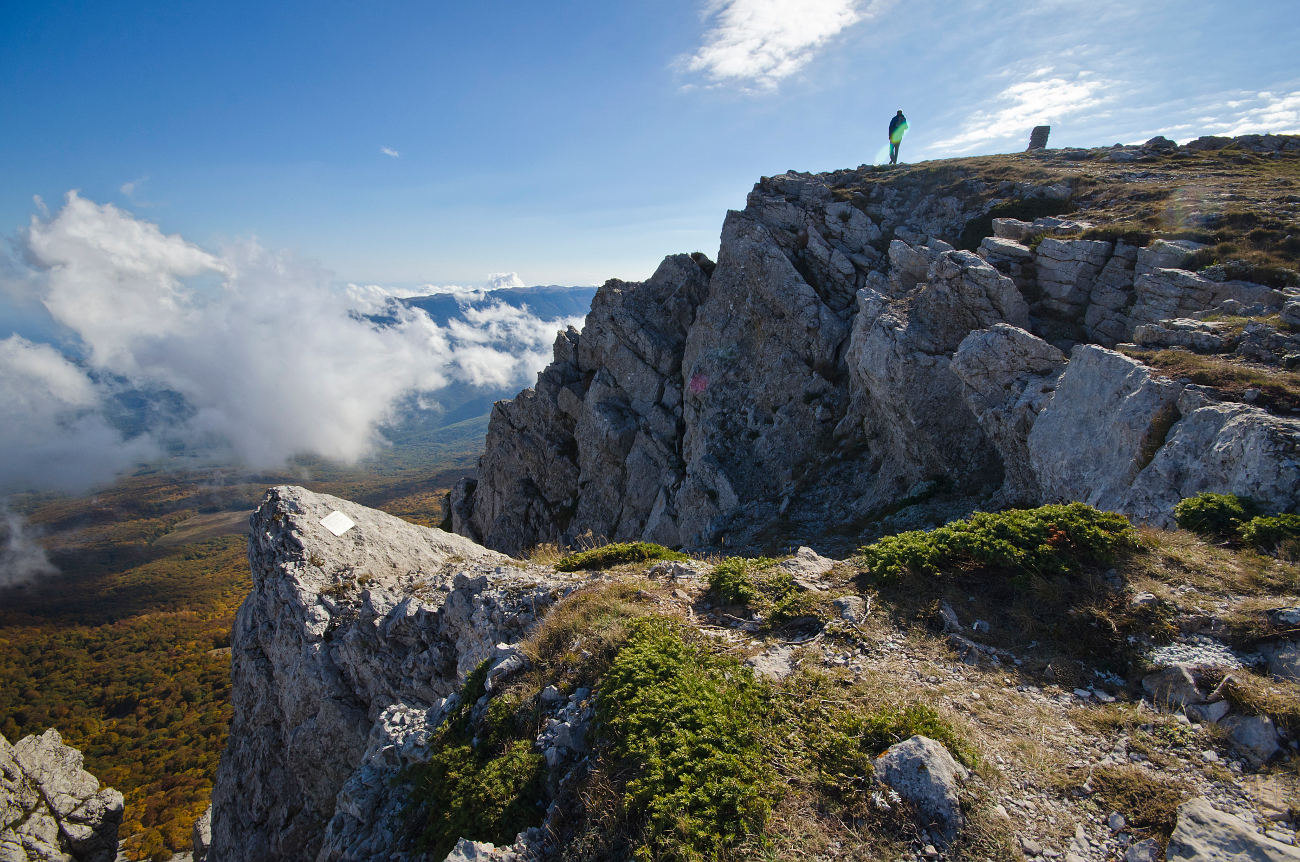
[[548, 302]]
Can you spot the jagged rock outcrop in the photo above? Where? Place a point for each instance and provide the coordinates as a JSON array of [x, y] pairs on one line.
[[603, 420], [814, 381], [51, 809], [695, 408], [344, 656], [899, 360]]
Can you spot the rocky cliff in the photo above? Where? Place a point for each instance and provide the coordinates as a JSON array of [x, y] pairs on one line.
[[844, 360], [50, 808], [343, 658]]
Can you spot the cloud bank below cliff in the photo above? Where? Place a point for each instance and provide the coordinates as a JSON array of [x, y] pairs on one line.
[[267, 359]]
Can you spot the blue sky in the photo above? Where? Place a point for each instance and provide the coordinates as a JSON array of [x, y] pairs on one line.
[[402, 143]]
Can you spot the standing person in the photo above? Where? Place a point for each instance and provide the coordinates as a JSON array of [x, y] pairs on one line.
[[897, 127]]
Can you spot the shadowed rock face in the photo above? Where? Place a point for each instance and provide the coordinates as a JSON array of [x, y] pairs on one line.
[[708, 404], [51, 808], [342, 656]]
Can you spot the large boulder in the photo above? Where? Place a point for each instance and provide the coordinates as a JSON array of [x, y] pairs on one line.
[[1105, 422], [1204, 834], [338, 637], [1255, 736], [923, 772], [1172, 688], [50, 807]]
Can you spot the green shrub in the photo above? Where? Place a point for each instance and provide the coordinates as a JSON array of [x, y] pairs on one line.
[[686, 723], [482, 782], [1265, 532], [848, 741], [738, 581], [795, 605], [1050, 540], [615, 554], [1217, 515]]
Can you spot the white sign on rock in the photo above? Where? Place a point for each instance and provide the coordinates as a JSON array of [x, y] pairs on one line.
[[337, 523]]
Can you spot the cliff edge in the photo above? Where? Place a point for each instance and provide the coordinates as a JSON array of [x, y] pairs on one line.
[[343, 656]]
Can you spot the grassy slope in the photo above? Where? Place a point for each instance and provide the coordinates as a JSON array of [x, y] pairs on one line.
[[123, 650], [811, 738]]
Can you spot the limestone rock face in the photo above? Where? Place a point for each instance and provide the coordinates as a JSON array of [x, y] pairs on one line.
[[1165, 294], [900, 357], [1106, 419], [817, 379], [50, 807], [701, 406], [1225, 449], [762, 357], [1203, 833], [1067, 270], [343, 657], [604, 418]]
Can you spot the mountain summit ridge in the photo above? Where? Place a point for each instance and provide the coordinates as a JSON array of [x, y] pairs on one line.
[[803, 389]]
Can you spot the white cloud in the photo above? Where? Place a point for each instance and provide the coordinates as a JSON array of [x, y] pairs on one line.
[[113, 279], [129, 190], [501, 343], [498, 280], [1018, 108], [21, 559], [389, 152], [1276, 113], [272, 361], [54, 435], [763, 41]]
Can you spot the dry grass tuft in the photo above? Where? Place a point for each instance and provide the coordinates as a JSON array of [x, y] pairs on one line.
[[547, 554], [1279, 389], [1258, 695], [1149, 804], [594, 620], [1179, 557]]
